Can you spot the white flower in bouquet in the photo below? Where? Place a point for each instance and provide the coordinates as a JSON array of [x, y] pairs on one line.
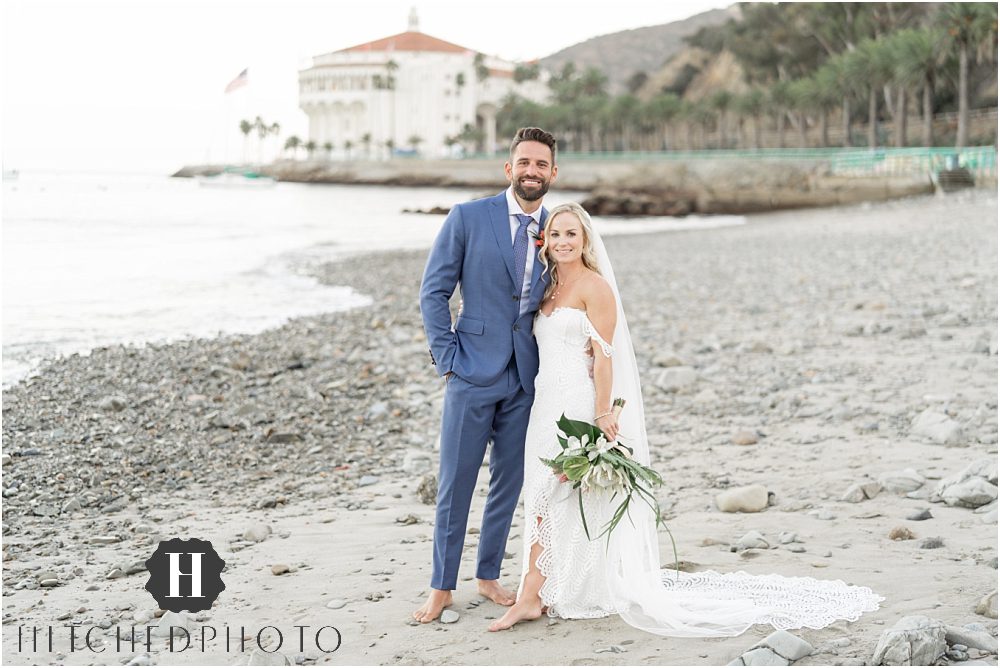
[[600, 476], [621, 483]]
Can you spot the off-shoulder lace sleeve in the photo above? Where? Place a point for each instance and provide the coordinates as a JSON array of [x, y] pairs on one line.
[[591, 331]]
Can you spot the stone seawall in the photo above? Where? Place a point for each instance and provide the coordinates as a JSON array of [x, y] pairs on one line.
[[620, 187]]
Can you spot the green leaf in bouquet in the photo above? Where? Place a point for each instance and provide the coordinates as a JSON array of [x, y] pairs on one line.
[[576, 428], [552, 464], [576, 467]]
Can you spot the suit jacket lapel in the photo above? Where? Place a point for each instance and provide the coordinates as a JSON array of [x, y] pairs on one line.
[[500, 219]]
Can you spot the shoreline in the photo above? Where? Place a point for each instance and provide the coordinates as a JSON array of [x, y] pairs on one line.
[[822, 333]]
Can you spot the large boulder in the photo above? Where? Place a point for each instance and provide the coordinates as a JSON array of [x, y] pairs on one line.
[[956, 635], [786, 645], [972, 487], [901, 482], [970, 493], [938, 427], [915, 640]]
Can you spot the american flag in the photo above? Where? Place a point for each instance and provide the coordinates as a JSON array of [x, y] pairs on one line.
[[239, 81]]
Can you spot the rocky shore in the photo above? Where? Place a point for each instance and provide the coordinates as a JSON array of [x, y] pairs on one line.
[[831, 374], [654, 187]]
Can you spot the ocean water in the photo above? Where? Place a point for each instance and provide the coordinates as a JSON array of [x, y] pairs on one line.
[[98, 259]]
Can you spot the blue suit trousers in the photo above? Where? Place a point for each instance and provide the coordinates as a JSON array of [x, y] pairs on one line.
[[472, 416]]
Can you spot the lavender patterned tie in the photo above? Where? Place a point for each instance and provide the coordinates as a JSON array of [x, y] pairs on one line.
[[521, 250]]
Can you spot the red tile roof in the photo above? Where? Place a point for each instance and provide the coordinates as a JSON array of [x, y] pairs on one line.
[[408, 41]]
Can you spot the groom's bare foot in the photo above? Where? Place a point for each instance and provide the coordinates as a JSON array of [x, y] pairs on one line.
[[519, 612], [431, 610], [492, 590]]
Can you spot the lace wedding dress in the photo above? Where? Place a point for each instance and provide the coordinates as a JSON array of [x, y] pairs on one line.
[[595, 578]]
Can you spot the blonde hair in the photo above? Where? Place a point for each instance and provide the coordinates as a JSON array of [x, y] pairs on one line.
[[589, 257]]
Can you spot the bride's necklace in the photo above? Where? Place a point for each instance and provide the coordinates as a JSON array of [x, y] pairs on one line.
[[561, 284]]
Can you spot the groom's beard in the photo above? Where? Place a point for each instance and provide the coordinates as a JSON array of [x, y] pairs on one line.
[[531, 197]]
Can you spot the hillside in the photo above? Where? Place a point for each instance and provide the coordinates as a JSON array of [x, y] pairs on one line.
[[620, 55]]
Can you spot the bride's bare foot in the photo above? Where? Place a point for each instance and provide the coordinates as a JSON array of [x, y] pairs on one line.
[[519, 612], [492, 590], [431, 610]]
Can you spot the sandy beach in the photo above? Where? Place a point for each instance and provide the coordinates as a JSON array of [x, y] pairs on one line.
[[806, 351]]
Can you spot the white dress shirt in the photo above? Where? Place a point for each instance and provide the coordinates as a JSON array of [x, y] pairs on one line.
[[513, 209]]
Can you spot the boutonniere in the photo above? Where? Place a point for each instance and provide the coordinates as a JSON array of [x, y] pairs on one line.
[[539, 238]]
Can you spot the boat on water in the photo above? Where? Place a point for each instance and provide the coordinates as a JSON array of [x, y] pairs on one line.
[[236, 178]]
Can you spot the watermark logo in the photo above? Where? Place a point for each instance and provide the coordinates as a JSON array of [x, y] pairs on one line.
[[185, 575]]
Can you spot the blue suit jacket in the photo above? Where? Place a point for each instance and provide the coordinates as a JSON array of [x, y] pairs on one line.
[[474, 249]]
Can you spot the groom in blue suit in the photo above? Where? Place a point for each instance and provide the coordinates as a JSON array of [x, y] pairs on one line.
[[489, 359]]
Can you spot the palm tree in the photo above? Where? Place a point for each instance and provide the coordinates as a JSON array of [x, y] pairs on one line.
[[482, 71], [829, 93], [414, 141], [871, 63], [366, 141], [310, 148], [459, 85], [293, 143], [526, 72], [246, 127], [624, 109], [803, 94], [390, 77], [592, 82], [721, 101], [275, 130], [663, 110], [390, 83], [780, 101], [263, 129], [752, 104], [700, 115], [348, 145], [328, 148], [588, 114], [918, 61], [836, 76], [471, 136], [968, 25], [390, 145]]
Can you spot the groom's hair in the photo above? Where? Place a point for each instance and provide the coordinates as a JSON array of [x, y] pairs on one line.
[[534, 134]]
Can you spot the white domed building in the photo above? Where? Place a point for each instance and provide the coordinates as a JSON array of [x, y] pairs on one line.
[[408, 93]]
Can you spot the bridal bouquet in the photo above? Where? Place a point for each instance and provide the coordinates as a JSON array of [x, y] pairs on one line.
[[592, 464]]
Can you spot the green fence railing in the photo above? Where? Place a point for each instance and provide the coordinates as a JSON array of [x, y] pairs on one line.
[[980, 160]]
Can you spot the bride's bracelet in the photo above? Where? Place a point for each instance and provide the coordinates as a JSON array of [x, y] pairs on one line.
[[602, 415]]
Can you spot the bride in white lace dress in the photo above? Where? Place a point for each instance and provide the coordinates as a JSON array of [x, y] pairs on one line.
[[585, 360]]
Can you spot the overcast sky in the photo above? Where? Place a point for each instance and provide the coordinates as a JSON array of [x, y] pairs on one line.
[[138, 85]]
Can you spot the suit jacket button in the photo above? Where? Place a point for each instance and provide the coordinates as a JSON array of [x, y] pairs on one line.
[[517, 328], [516, 297]]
